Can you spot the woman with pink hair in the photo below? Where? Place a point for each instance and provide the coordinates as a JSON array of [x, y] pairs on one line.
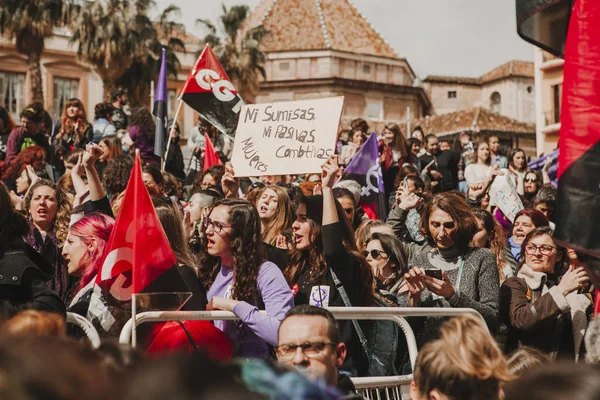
[[83, 251]]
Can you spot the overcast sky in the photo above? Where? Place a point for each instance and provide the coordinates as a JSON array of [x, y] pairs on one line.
[[440, 37]]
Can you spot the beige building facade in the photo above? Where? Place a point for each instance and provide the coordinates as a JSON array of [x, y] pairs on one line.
[[548, 82], [507, 90], [326, 49], [65, 77]]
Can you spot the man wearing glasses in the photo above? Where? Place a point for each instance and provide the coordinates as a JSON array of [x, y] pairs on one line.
[[309, 340]]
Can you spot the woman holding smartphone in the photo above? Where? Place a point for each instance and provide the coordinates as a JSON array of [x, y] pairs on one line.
[[448, 272]]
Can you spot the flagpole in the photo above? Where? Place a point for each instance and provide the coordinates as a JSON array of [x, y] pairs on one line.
[[151, 94], [164, 161], [133, 318]]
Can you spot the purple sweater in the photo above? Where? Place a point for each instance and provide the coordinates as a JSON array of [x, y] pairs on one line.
[[250, 338]]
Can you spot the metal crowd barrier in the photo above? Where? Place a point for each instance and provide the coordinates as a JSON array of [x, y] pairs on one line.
[[390, 388], [86, 326]]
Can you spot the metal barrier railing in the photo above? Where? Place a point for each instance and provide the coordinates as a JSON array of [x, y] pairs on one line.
[[86, 326]]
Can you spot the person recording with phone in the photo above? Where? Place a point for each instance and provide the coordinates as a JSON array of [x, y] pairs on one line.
[[446, 271]]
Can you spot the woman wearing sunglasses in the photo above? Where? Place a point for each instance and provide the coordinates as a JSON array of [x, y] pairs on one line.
[[541, 311], [237, 278], [388, 263]]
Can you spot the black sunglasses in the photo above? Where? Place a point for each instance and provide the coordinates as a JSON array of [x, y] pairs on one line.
[[375, 254]]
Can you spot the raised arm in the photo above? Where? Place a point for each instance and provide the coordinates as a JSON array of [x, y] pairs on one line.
[[90, 156], [329, 170]]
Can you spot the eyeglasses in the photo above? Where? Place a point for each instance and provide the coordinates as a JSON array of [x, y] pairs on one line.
[[310, 349], [375, 254], [545, 249], [530, 180], [217, 226]]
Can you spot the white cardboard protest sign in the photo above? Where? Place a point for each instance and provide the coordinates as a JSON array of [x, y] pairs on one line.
[[294, 137], [503, 193]]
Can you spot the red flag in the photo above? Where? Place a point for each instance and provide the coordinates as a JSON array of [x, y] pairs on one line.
[[137, 243], [577, 214], [210, 155], [209, 91]]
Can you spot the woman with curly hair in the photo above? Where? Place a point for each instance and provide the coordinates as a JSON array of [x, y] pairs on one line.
[[34, 156], [49, 211], [114, 179], [325, 254], [142, 133], [238, 279], [74, 127]]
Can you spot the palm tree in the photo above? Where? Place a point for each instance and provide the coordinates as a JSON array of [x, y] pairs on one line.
[[241, 57], [121, 43], [30, 22]]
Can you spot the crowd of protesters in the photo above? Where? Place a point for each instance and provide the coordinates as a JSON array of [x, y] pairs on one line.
[[290, 246]]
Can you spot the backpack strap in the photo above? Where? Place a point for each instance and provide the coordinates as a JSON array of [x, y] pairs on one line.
[[340, 287]]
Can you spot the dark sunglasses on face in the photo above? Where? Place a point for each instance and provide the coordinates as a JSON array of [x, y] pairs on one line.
[[375, 254], [530, 180]]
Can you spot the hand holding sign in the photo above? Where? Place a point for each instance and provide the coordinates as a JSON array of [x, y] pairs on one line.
[[329, 170], [286, 137]]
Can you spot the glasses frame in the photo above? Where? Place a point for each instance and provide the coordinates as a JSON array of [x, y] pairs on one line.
[[216, 226], [304, 346], [542, 252]]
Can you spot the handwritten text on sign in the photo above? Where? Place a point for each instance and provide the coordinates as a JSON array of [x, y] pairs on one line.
[[293, 137]]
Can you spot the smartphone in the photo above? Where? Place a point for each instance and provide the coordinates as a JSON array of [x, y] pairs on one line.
[[434, 273]]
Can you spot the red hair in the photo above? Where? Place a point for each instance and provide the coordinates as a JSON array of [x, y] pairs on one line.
[[537, 218], [31, 155], [95, 227]]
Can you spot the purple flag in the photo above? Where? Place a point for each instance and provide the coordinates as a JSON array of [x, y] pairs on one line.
[[365, 169], [160, 108], [538, 164]]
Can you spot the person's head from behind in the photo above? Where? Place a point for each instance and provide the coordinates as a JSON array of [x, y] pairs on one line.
[[518, 160], [532, 183], [432, 144], [556, 382], [385, 255], [448, 220], [309, 339], [526, 359], [540, 252], [85, 245], [6, 122], [545, 201], [31, 119], [359, 124], [111, 147], [116, 174], [465, 363], [527, 220], [172, 224], [12, 224], [34, 323], [367, 228], [347, 201], [154, 180], [103, 110]]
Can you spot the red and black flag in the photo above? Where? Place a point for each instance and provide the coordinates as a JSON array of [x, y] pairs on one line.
[[209, 91], [160, 108], [578, 202], [210, 155], [544, 23]]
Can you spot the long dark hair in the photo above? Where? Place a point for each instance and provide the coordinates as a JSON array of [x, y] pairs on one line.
[[142, 118], [246, 249], [170, 219], [12, 224], [301, 260]]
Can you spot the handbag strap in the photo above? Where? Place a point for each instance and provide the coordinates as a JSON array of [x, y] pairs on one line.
[[338, 284]]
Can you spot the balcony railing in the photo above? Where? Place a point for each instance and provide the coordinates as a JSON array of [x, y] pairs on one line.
[[552, 116]]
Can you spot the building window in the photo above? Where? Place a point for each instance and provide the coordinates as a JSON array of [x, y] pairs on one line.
[[530, 89], [451, 94], [12, 93], [556, 95], [172, 101], [284, 66], [375, 110], [366, 69], [496, 102], [64, 89]]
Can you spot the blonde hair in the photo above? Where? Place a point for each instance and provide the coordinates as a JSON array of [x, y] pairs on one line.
[[35, 323], [464, 363], [363, 232], [282, 219], [63, 214]]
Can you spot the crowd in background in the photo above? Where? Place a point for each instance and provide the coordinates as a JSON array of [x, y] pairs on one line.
[[279, 243]]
